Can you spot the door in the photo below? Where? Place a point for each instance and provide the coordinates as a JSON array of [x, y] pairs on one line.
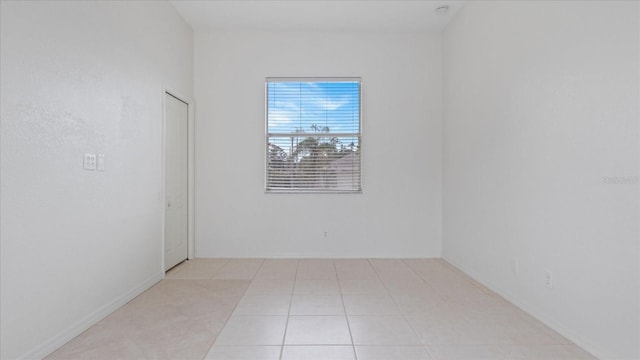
[[176, 181]]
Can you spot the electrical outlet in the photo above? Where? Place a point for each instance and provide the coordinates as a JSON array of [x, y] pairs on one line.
[[325, 234], [548, 279], [89, 161]]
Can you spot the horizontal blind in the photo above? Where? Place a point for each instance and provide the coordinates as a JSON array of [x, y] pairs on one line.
[[313, 135]]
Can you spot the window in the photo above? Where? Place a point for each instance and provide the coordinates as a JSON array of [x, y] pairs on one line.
[[313, 134]]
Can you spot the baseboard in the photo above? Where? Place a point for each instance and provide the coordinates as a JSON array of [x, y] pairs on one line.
[[329, 256], [49, 346], [533, 311]]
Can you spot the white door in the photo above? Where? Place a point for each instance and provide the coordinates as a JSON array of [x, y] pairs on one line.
[[176, 184]]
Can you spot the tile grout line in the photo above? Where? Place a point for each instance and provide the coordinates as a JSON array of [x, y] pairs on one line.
[[234, 308], [232, 311], [425, 281], [344, 308], [404, 316], [286, 325]]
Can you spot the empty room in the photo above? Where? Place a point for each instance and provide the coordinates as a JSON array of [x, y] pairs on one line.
[[311, 179]]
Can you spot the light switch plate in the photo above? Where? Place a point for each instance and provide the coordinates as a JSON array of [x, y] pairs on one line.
[[89, 161]]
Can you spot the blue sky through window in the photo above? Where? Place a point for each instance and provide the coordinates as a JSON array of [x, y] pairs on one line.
[[297, 106]]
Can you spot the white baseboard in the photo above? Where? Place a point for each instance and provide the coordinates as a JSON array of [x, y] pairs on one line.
[[533, 311], [316, 255], [49, 346]]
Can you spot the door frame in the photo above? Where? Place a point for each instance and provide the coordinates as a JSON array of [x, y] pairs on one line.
[[190, 172]]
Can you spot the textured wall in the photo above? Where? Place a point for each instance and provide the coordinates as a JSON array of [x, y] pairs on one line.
[[398, 212], [541, 161], [81, 77]]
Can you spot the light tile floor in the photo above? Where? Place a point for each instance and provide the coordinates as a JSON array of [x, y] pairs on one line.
[[319, 309]]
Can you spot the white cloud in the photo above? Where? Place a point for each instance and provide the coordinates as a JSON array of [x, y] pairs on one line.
[[329, 104], [280, 117]]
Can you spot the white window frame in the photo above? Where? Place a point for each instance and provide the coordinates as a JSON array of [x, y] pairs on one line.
[[315, 190]]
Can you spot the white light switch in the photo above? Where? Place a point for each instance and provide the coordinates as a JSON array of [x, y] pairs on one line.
[[100, 163], [89, 161]]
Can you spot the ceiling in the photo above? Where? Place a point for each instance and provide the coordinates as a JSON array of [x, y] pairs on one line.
[[316, 14]]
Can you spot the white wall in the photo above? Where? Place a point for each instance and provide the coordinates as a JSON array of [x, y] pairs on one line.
[[81, 77], [541, 103], [399, 212]]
